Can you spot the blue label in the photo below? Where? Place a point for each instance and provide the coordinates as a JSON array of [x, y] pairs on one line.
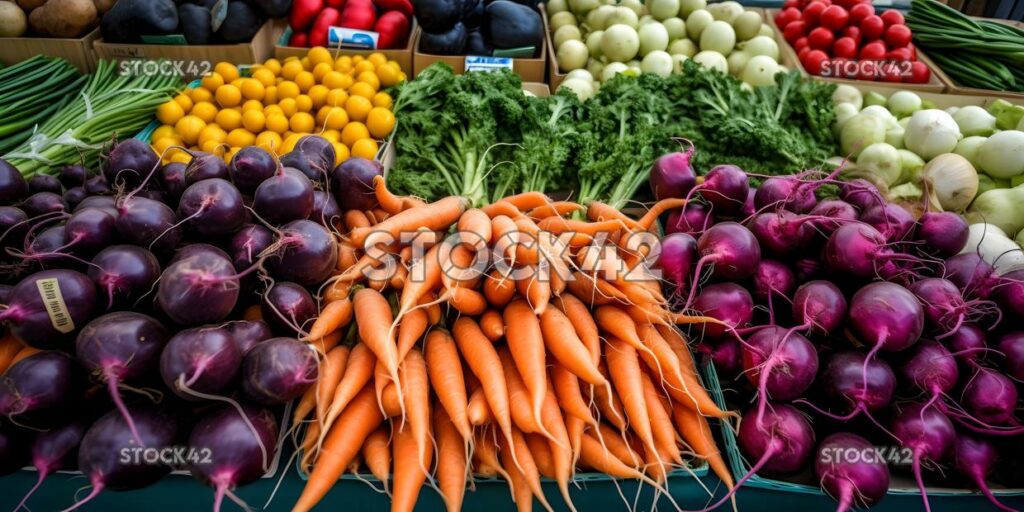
[[482, 63], [352, 38]]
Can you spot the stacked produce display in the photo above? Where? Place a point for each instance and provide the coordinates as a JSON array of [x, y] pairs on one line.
[[683, 277]]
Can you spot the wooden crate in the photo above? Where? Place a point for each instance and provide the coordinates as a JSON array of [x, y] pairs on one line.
[[79, 52], [951, 85], [403, 56]]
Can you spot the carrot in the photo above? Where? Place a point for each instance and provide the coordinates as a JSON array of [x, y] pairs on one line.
[[410, 330], [569, 395], [616, 322], [23, 353], [518, 396], [527, 466], [337, 290], [486, 451], [561, 340], [695, 430], [557, 208], [434, 216], [608, 403], [377, 455], [309, 448], [355, 219], [583, 323], [590, 290], [467, 301], [561, 449], [401, 276], [380, 214], [575, 427], [415, 386], [360, 269], [477, 411], [593, 454], [388, 201], [518, 484], [661, 422], [347, 256], [537, 291], [618, 446], [492, 325], [332, 369], [342, 443], [409, 472], [373, 316], [598, 211], [526, 343], [499, 289], [358, 371], [477, 222], [445, 372], [451, 460], [389, 402], [657, 210], [9, 347], [558, 283], [527, 200], [483, 360], [624, 368], [562, 225], [430, 305], [251, 313], [498, 208], [333, 316], [424, 276], [541, 455], [691, 384]]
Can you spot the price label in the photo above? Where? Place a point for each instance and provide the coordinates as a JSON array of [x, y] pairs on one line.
[[480, 63], [341, 37]]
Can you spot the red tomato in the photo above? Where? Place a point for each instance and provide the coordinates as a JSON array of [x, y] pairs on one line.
[[900, 54], [897, 36], [794, 30], [812, 13], [872, 27], [787, 16], [873, 51], [913, 51], [892, 73], [919, 73], [790, 3], [853, 32], [844, 48], [892, 17], [837, 67], [834, 17], [813, 61], [846, 4], [821, 38], [860, 11], [801, 52], [800, 44]]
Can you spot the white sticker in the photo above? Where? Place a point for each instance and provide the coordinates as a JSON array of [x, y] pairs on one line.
[[481, 63], [60, 317], [352, 38]]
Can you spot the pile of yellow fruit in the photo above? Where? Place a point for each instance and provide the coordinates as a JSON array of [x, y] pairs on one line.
[[340, 98]]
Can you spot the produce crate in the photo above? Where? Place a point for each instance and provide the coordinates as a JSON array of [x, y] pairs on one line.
[[79, 52], [947, 99], [935, 84], [901, 489], [403, 55], [193, 60], [952, 87], [529, 69]]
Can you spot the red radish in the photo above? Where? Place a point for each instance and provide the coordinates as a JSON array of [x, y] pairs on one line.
[[897, 36], [403, 6], [845, 47], [893, 221], [791, 4], [928, 433], [853, 483], [794, 30], [300, 40], [278, 370], [125, 272], [693, 219], [318, 33], [968, 345], [287, 195], [814, 61], [860, 193], [794, 193], [246, 334], [844, 380], [781, 441], [728, 302], [812, 12], [53, 450], [725, 188], [873, 51], [727, 355], [821, 38], [899, 54], [786, 16], [288, 308], [834, 17], [803, 51], [872, 27], [38, 388], [29, 316], [773, 279], [886, 316], [731, 249], [860, 11], [303, 14], [672, 175], [781, 363], [892, 17], [861, 251], [801, 44], [393, 27], [677, 258], [919, 73], [200, 362], [820, 307], [358, 14], [829, 215], [976, 458], [853, 32], [990, 397], [121, 347], [199, 289], [212, 207]]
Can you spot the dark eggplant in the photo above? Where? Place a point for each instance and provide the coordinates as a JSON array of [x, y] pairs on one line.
[[438, 16], [473, 14], [476, 45], [129, 20], [452, 42], [195, 23], [240, 24], [273, 8], [511, 25]]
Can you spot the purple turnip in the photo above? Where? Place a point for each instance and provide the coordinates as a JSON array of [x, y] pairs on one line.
[[250, 166], [246, 334], [46, 308], [42, 203], [148, 223], [205, 166], [788, 193], [944, 306], [326, 211], [38, 388], [305, 253], [284, 197], [928, 434], [44, 183], [74, 196], [13, 187], [725, 188], [853, 483], [975, 277], [677, 258], [780, 442], [893, 221], [886, 316], [73, 176], [727, 302], [990, 397], [672, 175], [1010, 294], [819, 307], [861, 251], [212, 207], [172, 180], [352, 183], [844, 381], [773, 279], [278, 370], [129, 163], [945, 233], [240, 448], [860, 193], [692, 219], [125, 272], [199, 289], [288, 307], [248, 243], [781, 363], [90, 230], [200, 362], [968, 344]]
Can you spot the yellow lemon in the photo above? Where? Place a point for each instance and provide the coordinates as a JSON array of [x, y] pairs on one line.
[[336, 98], [270, 141], [229, 119], [365, 148], [252, 89], [226, 70], [252, 105], [188, 128], [288, 107], [336, 118], [358, 108], [287, 89], [170, 112], [240, 137], [270, 95], [382, 99], [264, 76], [321, 70], [340, 152], [302, 122], [228, 95], [306, 64], [304, 103], [369, 77], [377, 58], [343, 64], [205, 110], [362, 89], [212, 81], [277, 123], [254, 121], [380, 121], [387, 75], [163, 131], [290, 69], [319, 55], [353, 132], [356, 59], [305, 80], [318, 93], [200, 94], [273, 65]]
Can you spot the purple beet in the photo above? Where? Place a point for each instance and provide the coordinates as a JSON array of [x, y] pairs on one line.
[[251, 166], [199, 289], [46, 308], [38, 388], [672, 175], [148, 223], [246, 334], [352, 183], [247, 245], [129, 163], [288, 307], [205, 166], [212, 207], [278, 370], [284, 197], [13, 187], [44, 183], [125, 272], [860, 480], [240, 448], [199, 362]]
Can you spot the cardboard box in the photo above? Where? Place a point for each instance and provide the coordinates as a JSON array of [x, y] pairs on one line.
[[952, 87], [402, 55], [946, 99], [78, 52], [788, 58], [194, 60], [529, 69], [537, 89]]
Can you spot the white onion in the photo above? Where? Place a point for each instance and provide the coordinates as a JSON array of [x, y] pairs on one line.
[[931, 133], [951, 182]]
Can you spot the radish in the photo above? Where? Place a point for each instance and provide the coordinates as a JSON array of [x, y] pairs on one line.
[[727, 355], [976, 458], [288, 307], [118, 348], [172, 180], [973, 275], [931, 369], [148, 223], [13, 186], [780, 232], [128, 163], [928, 434], [1010, 293], [819, 307], [53, 450], [44, 183], [945, 233], [14, 224], [284, 197], [212, 208], [860, 483], [305, 253], [72, 176], [844, 379], [828, 216], [352, 183], [990, 397], [125, 272], [860, 193], [39, 388], [787, 192], [42, 203], [773, 279], [198, 289], [728, 302], [326, 211], [43, 318], [278, 370], [781, 441], [692, 219], [205, 166], [677, 258], [106, 203], [247, 244], [944, 306], [250, 166], [187, 251], [781, 363], [893, 221], [46, 248], [860, 250], [246, 334], [968, 344], [672, 175], [318, 151], [200, 362], [74, 195], [102, 454], [239, 449], [731, 249], [725, 188], [1011, 345]]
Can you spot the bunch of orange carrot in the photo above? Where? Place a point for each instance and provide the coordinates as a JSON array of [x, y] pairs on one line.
[[434, 375], [13, 350]]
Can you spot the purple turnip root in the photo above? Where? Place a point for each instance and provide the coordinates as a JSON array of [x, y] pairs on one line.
[[248, 244], [200, 362], [827, 216], [148, 223], [14, 224], [125, 272], [319, 151], [326, 211], [53, 450], [212, 207], [288, 307], [968, 344], [731, 249], [727, 302], [121, 347], [819, 307], [90, 230], [893, 221], [1010, 293], [853, 483], [725, 189], [352, 183], [844, 381], [931, 369], [780, 442], [886, 316], [676, 259], [44, 183], [991, 398], [240, 449], [672, 175], [13, 187], [250, 166], [781, 363], [74, 196], [975, 277], [129, 163], [42, 203], [861, 251], [14, 448], [284, 197], [791, 193], [101, 455], [97, 186], [860, 193], [1011, 345], [944, 306], [278, 370], [200, 289], [73, 176], [929, 435], [38, 388], [773, 279], [976, 458], [779, 232], [105, 203], [205, 166], [945, 233], [46, 308], [308, 163], [305, 253], [692, 219], [172, 180], [247, 333]]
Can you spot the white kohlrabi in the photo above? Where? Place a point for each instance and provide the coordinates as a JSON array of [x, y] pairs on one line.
[[968, 148], [860, 132], [974, 120], [951, 182], [880, 163], [904, 103], [931, 133], [1002, 155]]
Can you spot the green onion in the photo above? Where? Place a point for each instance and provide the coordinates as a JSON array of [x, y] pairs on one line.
[[30, 92]]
